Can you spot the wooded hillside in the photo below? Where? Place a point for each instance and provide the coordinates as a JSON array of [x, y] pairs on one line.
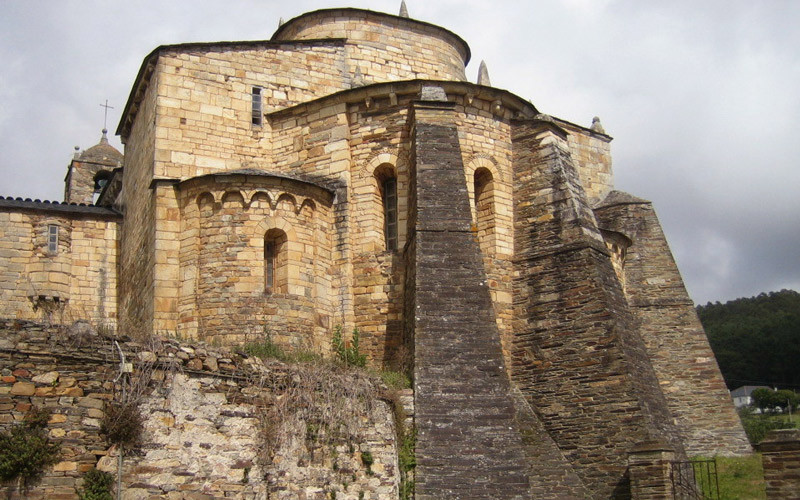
[[756, 340]]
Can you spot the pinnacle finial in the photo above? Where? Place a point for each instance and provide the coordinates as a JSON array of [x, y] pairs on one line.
[[403, 9], [597, 126], [104, 138], [280, 22], [483, 75]]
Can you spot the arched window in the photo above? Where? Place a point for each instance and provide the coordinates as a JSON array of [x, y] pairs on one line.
[[275, 262], [101, 179], [484, 207], [387, 182]]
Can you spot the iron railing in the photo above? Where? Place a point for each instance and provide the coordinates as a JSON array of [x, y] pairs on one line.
[[695, 480]]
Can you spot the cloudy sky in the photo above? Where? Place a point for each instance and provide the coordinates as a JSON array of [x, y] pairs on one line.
[[702, 98]]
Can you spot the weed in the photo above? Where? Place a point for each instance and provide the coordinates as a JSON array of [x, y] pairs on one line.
[[407, 461], [122, 424], [349, 355], [324, 402], [367, 460]]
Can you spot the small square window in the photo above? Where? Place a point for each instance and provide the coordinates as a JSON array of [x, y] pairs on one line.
[[52, 238], [257, 114]]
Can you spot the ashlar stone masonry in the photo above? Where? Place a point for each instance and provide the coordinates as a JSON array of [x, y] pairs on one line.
[[345, 174]]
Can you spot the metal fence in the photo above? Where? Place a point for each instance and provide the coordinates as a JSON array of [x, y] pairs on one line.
[[695, 480]]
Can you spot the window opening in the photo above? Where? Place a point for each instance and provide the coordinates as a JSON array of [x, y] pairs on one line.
[[269, 262], [275, 262], [52, 238], [484, 208], [389, 186], [257, 114]]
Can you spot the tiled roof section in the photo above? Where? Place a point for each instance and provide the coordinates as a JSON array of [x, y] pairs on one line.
[[8, 202], [102, 152]]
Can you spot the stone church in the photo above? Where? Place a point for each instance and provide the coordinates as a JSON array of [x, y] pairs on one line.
[[345, 172]]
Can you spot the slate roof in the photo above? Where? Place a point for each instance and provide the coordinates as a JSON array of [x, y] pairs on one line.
[[10, 203]]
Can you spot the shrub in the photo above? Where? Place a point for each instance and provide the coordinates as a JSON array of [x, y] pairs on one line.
[[757, 426], [26, 451], [122, 424], [96, 485]]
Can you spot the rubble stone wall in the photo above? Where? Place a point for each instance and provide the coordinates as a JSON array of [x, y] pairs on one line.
[[203, 410]]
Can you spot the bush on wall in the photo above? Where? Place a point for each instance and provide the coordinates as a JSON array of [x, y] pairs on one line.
[[26, 451]]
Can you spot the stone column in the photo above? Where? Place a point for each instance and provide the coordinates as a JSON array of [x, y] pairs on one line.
[[780, 454], [649, 469]]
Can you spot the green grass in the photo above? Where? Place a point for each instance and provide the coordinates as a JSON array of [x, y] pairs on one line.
[[266, 349], [395, 380], [740, 478]]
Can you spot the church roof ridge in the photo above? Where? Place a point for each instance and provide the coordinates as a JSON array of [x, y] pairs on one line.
[[55, 206]]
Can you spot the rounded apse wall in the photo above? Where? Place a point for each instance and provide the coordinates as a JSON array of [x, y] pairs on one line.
[[382, 47]]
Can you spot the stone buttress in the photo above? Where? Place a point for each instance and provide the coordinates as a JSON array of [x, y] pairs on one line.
[[677, 345], [467, 442], [578, 356]]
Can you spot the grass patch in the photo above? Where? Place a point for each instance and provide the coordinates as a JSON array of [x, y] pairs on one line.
[[267, 349], [740, 478], [395, 380]]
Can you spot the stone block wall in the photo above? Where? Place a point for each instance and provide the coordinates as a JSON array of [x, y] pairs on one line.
[[203, 409], [591, 153], [222, 260], [676, 343], [780, 455], [77, 281], [137, 234], [205, 101], [384, 47]]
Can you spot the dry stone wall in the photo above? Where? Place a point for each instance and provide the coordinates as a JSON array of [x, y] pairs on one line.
[[204, 412]]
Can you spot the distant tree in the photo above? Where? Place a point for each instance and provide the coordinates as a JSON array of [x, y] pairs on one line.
[[765, 399], [757, 339]]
